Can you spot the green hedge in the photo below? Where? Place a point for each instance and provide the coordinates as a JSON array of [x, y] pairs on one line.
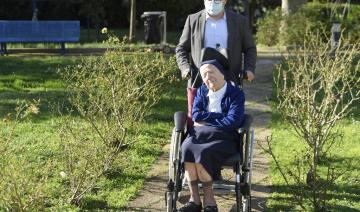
[[268, 28], [314, 17]]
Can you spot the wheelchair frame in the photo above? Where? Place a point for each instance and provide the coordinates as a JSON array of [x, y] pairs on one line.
[[240, 162]]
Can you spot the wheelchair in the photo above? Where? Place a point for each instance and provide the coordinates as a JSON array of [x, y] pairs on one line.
[[241, 163]]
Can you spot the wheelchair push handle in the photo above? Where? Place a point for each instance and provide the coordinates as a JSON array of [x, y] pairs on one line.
[[243, 75]]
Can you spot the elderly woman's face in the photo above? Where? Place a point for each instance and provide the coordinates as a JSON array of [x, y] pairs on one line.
[[212, 77]]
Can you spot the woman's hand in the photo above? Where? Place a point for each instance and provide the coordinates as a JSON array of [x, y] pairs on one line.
[[199, 124]]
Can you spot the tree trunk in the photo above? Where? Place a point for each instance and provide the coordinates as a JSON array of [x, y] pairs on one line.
[[132, 21], [290, 6]]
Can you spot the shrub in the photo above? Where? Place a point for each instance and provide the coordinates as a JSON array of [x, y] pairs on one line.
[[315, 90], [269, 28], [112, 93], [23, 184], [108, 98], [314, 17]]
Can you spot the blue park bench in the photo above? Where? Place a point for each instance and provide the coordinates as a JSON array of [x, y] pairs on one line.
[[38, 32]]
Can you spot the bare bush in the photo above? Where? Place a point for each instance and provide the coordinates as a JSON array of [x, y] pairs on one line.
[[315, 90], [23, 183], [112, 94]]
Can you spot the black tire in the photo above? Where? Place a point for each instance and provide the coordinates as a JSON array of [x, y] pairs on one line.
[[169, 202], [238, 193], [174, 169], [239, 204], [243, 203], [246, 203], [246, 198]]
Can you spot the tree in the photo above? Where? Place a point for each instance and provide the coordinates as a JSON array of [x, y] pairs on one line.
[[132, 21], [290, 6]]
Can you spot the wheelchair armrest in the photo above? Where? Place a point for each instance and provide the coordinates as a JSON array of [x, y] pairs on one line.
[[246, 125], [180, 120]]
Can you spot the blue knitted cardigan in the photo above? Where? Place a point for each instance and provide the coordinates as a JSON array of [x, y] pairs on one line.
[[232, 106]]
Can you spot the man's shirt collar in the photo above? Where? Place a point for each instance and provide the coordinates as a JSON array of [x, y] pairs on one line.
[[208, 16]]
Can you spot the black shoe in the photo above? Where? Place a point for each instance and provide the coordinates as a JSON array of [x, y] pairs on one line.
[[190, 207], [211, 209]]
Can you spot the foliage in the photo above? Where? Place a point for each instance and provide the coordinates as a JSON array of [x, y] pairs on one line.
[[293, 30], [315, 90], [94, 9], [109, 13], [269, 28], [326, 14], [23, 184], [313, 17]]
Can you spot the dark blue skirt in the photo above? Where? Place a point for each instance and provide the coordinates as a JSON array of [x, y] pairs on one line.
[[209, 146]]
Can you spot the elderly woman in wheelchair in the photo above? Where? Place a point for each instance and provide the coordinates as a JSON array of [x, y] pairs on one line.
[[218, 111], [215, 133]]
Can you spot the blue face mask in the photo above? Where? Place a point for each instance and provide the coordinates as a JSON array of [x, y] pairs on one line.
[[214, 7]]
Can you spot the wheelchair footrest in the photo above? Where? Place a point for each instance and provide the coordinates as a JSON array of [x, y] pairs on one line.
[[223, 186]]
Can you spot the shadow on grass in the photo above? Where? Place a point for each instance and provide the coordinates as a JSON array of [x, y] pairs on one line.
[[93, 203], [341, 163], [32, 78], [33, 68], [119, 181], [175, 100], [284, 201], [9, 100]]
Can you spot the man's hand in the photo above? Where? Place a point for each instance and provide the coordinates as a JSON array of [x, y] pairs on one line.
[[250, 76], [185, 74]]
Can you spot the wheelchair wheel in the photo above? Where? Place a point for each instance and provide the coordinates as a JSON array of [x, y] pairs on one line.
[[246, 197], [174, 184], [239, 205], [246, 203], [243, 197], [243, 201], [243, 193], [248, 173]]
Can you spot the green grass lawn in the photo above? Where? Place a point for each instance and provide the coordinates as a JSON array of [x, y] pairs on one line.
[[345, 195], [27, 78]]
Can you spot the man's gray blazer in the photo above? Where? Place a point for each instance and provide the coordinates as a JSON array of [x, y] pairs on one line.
[[240, 41]]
